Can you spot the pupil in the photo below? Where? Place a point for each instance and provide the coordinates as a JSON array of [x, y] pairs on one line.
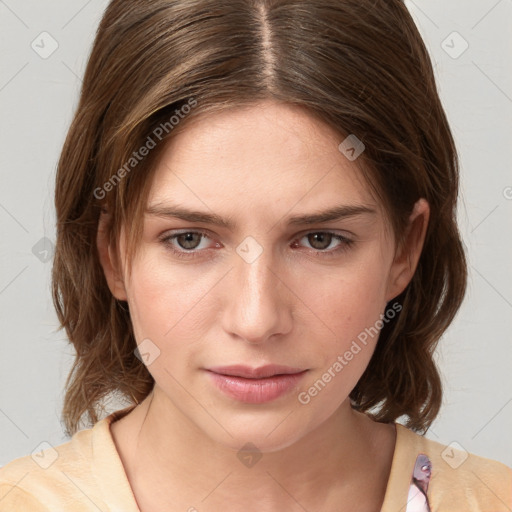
[[188, 240], [321, 238]]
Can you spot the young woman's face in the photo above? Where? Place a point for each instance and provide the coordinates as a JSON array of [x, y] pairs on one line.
[[263, 290]]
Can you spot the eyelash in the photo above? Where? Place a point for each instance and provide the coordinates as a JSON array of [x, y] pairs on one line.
[[346, 243]]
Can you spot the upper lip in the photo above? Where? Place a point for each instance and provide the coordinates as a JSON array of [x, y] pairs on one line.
[[255, 373]]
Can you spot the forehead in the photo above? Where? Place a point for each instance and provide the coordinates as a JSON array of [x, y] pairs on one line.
[[270, 156]]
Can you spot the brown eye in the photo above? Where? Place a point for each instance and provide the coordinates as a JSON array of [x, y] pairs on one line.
[[320, 241], [187, 244], [188, 240]]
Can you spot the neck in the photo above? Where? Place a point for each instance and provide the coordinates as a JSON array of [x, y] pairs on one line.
[[336, 461]]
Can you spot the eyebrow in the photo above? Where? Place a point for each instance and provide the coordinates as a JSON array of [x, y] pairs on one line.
[[331, 214]]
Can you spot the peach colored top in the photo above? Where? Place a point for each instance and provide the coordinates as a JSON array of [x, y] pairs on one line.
[[86, 474]]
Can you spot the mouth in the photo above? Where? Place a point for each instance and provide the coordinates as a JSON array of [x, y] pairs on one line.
[[255, 385], [263, 372]]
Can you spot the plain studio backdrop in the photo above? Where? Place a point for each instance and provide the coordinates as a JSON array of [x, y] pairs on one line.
[[470, 44]]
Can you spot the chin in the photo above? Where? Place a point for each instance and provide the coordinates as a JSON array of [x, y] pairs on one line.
[[269, 431], [255, 439]]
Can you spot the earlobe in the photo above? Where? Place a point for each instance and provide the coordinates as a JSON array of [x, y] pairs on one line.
[[109, 261], [407, 256]]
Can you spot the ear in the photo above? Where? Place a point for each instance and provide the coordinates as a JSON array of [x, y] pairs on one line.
[[108, 259], [408, 253]]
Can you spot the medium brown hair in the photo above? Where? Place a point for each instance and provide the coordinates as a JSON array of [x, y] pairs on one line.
[[360, 66]]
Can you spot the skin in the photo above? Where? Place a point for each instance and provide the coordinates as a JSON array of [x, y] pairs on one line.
[[292, 305]]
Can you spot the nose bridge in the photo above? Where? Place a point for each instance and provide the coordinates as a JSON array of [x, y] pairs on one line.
[[257, 308], [256, 278]]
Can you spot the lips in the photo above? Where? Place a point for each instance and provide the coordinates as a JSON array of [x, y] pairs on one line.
[[255, 385], [262, 372]]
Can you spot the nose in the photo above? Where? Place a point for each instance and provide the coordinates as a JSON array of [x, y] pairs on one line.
[[259, 300]]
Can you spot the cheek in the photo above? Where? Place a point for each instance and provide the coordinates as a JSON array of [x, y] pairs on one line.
[[163, 301], [167, 307], [350, 299], [352, 309], [350, 304]]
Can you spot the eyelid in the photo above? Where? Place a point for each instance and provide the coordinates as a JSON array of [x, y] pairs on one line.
[[340, 232], [345, 241], [168, 235], [343, 233]]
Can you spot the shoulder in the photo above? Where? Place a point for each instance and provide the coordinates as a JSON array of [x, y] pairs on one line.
[[84, 474], [15, 499], [48, 480], [459, 480]]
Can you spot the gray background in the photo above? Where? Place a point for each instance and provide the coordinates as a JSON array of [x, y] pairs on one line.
[[37, 98]]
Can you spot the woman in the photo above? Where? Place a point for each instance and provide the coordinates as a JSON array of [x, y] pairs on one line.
[[257, 246]]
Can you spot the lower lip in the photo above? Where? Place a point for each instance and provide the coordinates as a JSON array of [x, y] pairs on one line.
[[256, 391]]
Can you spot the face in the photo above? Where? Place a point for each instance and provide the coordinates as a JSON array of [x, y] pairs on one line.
[[260, 289]]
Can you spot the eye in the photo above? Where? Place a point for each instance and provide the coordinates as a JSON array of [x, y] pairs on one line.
[[188, 240], [184, 244], [187, 244], [321, 240]]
